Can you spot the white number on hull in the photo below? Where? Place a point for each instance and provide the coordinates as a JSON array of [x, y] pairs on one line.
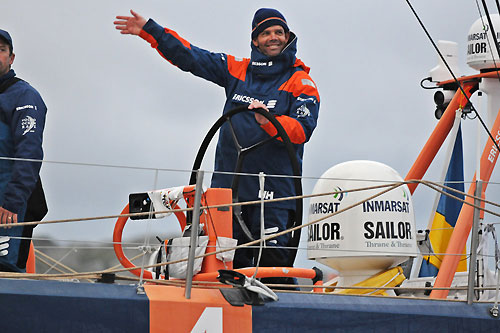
[[210, 321]]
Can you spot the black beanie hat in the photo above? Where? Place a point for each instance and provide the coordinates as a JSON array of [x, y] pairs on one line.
[[266, 17]]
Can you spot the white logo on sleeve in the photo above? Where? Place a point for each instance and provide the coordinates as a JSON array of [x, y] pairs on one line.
[[28, 124], [303, 111], [19, 108]]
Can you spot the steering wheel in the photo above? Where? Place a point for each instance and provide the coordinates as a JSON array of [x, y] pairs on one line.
[[241, 153]]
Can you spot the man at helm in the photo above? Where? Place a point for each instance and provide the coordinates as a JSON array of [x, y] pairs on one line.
[[272, 79]]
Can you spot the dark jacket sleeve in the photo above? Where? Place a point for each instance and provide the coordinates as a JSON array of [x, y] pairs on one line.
[[27, 124], [208, 65]]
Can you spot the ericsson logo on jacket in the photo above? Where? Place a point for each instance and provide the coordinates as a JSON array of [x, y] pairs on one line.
[[245, 99], [271, 104], [257, 63], [19, 108]]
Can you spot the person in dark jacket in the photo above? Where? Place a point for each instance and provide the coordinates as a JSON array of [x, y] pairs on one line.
[[22, 120], [274, 79]]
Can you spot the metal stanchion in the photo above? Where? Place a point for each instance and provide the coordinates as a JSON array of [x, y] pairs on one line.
[[194, 232], [473, 245]]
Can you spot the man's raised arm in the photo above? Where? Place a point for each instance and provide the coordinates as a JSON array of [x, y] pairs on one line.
[[130, 25]]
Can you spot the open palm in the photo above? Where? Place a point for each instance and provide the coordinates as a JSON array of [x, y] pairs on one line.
[[130, 25]]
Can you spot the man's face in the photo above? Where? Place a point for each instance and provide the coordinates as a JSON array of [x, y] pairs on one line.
[[272, 40], [6, 58]]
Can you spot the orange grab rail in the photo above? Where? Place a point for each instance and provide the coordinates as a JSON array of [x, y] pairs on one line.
[[265, 272], [117, 241]]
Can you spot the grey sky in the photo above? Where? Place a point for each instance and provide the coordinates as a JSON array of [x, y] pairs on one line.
[[113, 100]]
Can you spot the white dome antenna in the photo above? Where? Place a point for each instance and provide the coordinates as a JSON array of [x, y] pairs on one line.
[[481, 50], [368, 238], [449, 50]]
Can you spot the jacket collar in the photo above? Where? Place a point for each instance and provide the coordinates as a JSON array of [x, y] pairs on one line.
[[6, 76], [262, 64]]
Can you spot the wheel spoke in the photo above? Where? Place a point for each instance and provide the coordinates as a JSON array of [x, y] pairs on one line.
[[233, 134], [258, 144]]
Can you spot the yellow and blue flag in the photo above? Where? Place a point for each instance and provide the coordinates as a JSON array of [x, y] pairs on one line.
[[446, 214]]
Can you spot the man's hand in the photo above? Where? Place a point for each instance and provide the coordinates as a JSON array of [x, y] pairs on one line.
[[7, 217], [130, 25], [258, 117]]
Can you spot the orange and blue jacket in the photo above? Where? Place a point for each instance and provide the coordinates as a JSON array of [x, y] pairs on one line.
[[282, 83]]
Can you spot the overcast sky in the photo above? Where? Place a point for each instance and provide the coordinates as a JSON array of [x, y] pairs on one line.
[[113, 100]]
